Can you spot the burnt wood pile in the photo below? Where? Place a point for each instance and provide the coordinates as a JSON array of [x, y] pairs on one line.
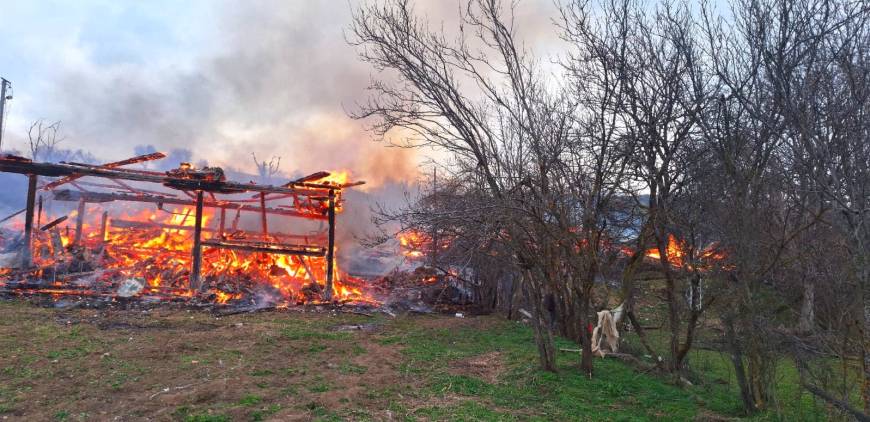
[[310, 198]]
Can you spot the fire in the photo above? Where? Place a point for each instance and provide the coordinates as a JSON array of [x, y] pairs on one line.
[[338, 178], [413, 243], [157, 248], [674, 251], [181, 252], [678, 256]]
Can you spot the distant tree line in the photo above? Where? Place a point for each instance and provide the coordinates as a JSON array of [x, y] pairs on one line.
[[744, 134]]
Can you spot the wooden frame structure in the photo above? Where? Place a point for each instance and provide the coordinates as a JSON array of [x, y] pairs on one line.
[[310, 200]]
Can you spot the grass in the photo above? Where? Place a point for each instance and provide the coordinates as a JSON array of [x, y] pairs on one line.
[[291, 365], [523, 391]]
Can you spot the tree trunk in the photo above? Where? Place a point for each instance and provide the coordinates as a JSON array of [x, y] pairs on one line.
[[808, 315], [585, 339], [673, 322], [736, 355], [694, 314], [865, 350], [541, 325]]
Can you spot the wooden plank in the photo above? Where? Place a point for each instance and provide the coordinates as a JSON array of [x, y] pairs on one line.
[[265, 247], [197, 245], [27, 258], [330, 252], [10, 216], [223, 222], [133, 160], [53, 223], [80, 218], [263, 216], [104, 226]]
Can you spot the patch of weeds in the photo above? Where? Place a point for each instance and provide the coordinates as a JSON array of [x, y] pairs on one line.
[[308, 331], [321, 413], [316, 348], [68, 353], [349, 368], [61, 415], [358, 350], [181, 412], [293, 371], [467, 410], [462, 384], [261, 372], [319, 386], [250, 400], [388, 340], [262, 414], [75, 332]]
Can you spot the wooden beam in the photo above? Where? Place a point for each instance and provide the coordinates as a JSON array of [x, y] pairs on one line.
[[197, 245], [150, 225], [53, 223], [133, 160], [10, 216], [102, 197], [266, 247], [223, 222], [23, 166], [104, 225], [27, 258], [330, 252], [39, 211], [80, 218], [264, 220]]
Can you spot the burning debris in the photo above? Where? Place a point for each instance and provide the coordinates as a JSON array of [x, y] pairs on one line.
[[189, 247]]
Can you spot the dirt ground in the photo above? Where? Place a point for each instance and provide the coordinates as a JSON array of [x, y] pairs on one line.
[[176, 364]]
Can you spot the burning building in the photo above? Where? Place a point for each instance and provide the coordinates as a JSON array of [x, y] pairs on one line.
[[174, 235]]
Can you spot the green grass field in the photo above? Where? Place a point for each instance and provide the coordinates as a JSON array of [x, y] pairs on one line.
[[179, 365]]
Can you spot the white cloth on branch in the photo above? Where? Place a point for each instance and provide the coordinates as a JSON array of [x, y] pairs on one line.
[[605, 336]]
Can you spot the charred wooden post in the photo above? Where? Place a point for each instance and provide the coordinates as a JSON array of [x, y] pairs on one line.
[[27, 257], [80, 219], [330, 251], [52, 224], [223, 222], [263, 215], [39, 212], [197, 245], [11, 216], [104, 225]]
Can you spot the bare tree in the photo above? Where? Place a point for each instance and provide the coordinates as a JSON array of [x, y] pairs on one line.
[[267, 169], [43, 139]]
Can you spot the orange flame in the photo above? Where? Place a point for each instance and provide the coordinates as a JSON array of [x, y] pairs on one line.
[[678, 256], [158, 249]]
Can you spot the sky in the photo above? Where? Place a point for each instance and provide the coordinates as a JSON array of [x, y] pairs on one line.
[[220, 79]]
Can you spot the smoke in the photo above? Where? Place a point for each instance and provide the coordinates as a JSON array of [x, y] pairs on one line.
[[272, 78], [269, 77]]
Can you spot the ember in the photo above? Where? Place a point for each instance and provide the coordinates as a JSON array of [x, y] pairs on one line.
[[190, 247]]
